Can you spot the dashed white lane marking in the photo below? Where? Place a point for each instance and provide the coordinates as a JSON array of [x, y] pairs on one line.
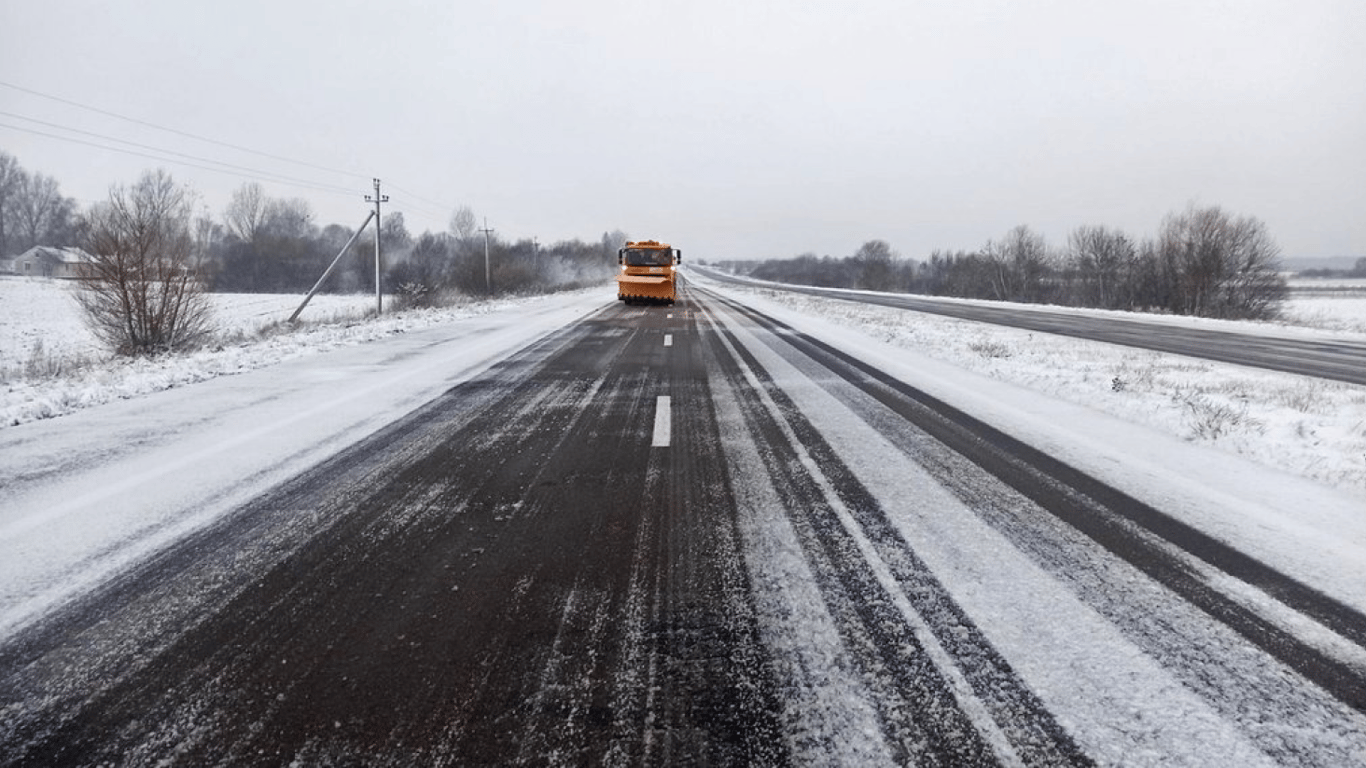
[[668, 339], [663, 422]]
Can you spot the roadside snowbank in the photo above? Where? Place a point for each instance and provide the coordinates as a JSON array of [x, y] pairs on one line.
[[50, 364], [1298, 424]]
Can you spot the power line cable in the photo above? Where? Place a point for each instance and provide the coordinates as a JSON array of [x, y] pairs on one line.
[[410, 193], [438, 210], [180, 132], [401, 204], [308, 185], [267, 175]]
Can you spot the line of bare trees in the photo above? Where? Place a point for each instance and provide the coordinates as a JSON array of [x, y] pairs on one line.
[[1203, 261], [155, 253], [439, 264], [267, 245], [33, 211]]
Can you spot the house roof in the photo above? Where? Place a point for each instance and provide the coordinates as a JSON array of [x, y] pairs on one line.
[[64, 255]]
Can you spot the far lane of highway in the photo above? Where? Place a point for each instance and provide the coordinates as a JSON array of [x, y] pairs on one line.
[[1335, 359]]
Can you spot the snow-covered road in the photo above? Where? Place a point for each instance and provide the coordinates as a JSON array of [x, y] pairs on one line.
[[913, 600], [89, 493]]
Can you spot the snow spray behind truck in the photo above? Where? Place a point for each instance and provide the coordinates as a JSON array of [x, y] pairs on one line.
[[648, 272]]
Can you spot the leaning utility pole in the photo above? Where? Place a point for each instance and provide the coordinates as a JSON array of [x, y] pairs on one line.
[[488, 280], [331, 267], [377, 199]]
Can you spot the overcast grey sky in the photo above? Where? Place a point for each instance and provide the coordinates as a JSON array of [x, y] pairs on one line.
[[733, 129]]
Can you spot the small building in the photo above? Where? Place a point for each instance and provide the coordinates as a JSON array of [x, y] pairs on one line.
[[50, 261]]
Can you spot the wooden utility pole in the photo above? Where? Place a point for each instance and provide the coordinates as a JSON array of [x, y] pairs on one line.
[[488, 278], [377, 199]]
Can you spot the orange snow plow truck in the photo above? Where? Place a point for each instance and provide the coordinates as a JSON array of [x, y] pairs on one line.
[[649, 272]]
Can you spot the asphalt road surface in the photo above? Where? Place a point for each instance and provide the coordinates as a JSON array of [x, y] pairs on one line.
[[657, 537], [1339, 360]]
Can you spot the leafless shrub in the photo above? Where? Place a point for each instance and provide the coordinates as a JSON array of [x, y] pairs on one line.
[[142, 293], [991, 349], [42, 364], [1210, 419], [1308, 397], [1138, 375], [416, 295]]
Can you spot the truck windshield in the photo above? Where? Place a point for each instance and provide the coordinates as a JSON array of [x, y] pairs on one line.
[[649, 257]]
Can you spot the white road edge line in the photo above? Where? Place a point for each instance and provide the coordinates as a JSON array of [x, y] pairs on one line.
[[663, 422]]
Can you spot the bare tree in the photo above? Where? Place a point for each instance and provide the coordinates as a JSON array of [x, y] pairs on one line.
[[11, 177], [395, 235], [143, 293], [1103, 261], [875, 266], [285, 218], [246, 212], [611, 243], [1018, 265], [463, 223], [1220, 266], [206, 233], [39, 210]]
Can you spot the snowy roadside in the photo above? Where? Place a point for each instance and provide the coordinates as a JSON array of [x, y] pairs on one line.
[[1305, 426], [1305, 528], [1060, 621], [98, 488], [50, 365], [86, 495]]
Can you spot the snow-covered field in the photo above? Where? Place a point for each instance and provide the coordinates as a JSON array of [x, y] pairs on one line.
[[51, 365], [1335, 305]]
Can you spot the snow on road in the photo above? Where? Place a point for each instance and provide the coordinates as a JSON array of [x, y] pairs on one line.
[[1297, 424], [1043, 588], [1267, 493], [91, 492], [100, 467], [1144, 418]]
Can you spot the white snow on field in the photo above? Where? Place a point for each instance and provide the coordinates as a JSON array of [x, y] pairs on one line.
[[1335, 305], [51, 365], [39, 318]]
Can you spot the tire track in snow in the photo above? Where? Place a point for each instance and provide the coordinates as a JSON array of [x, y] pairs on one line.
[[467, 601], [943, 693], [1208, 575]]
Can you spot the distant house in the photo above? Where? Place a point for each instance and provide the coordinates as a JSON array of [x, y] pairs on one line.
[[48, 261]]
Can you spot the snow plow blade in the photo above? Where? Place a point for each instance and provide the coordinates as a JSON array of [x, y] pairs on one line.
[[644, 288]]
